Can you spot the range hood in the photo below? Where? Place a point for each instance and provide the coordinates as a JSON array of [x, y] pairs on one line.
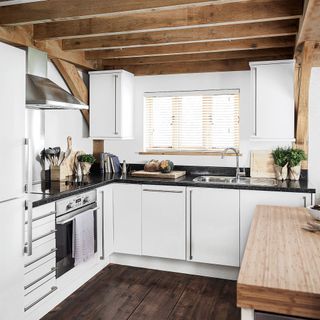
[[43, 93]]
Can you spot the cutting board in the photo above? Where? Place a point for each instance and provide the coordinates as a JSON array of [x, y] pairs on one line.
[[172, 175], [262, 164]]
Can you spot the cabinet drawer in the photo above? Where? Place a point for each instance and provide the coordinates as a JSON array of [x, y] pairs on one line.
[[40, 249], [43, 259], [40, 281], [42, 211], [42, 230], [40, 293], [32, 276]]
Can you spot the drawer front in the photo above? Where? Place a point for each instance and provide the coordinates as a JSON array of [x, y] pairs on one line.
[[42, 211], [42, 230], [43, 259], [37, 274], [40, 249], [39, 282], [40, 293]]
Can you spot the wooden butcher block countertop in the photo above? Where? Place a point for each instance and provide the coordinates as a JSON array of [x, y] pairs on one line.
[[280, 271]]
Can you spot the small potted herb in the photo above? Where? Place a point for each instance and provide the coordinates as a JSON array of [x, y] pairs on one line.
[[280, 157], [294, 158], [86, 161]]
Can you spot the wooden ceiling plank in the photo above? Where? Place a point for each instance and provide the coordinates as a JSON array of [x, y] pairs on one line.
[[226, 32], [229, 13], [248, 54], [60, 10], [75, 83], [208, 46]]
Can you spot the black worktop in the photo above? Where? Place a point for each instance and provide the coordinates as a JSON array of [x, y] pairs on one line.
[[52, 191]]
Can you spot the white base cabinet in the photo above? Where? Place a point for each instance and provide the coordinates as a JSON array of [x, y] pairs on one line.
[[163, 222], [249, 199], [213, 226], [127, 218]]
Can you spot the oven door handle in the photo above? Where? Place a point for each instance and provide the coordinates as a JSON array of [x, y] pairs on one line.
[[62, 222]]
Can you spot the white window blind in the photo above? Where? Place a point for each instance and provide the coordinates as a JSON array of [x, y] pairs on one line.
[[191, 121]]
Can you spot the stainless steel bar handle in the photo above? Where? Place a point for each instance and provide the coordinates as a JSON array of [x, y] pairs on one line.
[[28, 247], [52, 270], [166, 191], [29, 165], [102, 257], [41, 257], [115, 104], [190, 226], [305, 201], [40, 299], [72, 218]]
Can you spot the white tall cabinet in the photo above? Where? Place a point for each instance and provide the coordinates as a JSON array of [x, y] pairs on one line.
[[163, 221], [111, 104], [213, 226], [273, 100]]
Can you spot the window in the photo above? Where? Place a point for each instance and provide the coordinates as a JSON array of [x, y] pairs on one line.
[[191, 121]]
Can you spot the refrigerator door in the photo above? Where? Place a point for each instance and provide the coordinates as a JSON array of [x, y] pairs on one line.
[[12, 121], [12, 257]]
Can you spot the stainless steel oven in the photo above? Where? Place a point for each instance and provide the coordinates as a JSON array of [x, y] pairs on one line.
[[67, 210]]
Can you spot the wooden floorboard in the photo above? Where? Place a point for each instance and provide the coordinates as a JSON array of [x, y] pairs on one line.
[[122, 292]]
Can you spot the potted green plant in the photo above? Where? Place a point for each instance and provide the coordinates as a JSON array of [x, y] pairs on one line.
[[280, 157], [86, 161], [294, 158]]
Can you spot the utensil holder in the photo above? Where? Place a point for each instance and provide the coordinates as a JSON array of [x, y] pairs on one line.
[[59, 173]]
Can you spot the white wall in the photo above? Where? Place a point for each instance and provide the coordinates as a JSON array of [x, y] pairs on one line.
[[128, 150], [63, 123], [314, 133]]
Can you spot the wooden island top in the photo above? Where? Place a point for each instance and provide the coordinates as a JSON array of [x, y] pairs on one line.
[[280, 270]]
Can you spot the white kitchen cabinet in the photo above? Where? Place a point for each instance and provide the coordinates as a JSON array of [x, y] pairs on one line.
[[273, 100], [105, 204], [213, 226], [11, 253], [127, 218], [111, 104], [249, 199], [164, 221]]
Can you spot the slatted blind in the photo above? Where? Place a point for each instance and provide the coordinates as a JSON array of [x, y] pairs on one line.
[[191, 121]]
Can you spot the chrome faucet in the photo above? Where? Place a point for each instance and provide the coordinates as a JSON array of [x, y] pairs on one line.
[[239, 173]]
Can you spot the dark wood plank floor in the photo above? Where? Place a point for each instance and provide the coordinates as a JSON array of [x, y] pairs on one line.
[[121, 292]]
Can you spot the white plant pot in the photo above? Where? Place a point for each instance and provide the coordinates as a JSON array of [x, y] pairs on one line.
[[294, 173], [281, 172], [85, 167]]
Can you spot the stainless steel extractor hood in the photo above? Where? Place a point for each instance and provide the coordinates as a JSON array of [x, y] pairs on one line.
[[43, 93]]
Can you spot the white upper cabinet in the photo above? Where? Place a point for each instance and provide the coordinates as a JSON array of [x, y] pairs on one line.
[[164, 221], [213, 226], [273, 100], [111, 104]]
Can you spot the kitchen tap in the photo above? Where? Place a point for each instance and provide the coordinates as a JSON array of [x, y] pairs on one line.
[[239, 173]]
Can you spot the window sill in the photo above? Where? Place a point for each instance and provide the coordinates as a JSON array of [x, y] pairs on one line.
[[188, 153]]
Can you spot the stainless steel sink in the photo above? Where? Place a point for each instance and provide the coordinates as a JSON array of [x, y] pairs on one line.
[[233, 180]]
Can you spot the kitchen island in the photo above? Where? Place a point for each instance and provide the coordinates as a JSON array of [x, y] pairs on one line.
[[280, 270]]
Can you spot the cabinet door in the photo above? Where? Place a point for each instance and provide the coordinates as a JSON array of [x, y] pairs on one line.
[[213, 226], [11, 253], [105, 203], [127, 218], [164, 222], [274, 101], [249, 199], [103, 105]]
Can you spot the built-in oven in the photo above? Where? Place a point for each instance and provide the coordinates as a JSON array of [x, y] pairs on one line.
[[67, 211]]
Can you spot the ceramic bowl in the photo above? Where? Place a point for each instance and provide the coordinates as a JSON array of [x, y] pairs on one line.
[[314, 212]]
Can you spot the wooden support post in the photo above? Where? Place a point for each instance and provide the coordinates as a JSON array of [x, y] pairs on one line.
[[78, 88], [302, 132]]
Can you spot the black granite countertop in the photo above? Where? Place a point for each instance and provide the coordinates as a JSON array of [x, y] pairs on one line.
[[52, 191]]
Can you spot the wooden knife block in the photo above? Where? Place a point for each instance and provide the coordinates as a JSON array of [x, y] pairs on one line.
[[59, 173]]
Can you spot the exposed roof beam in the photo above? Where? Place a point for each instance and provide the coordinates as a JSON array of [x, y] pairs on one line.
[[226, 32], [280, 53], [228, 13], [22, 37], [208, 46], [59, 10], [310, 23]]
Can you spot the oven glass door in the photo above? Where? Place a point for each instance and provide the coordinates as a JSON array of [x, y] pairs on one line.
[[64, 241]]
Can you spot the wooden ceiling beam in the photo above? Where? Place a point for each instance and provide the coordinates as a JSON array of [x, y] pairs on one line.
[[214, 14], [60, 10], [208, 46], [225, 32], [279, 53], [21, 36]]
